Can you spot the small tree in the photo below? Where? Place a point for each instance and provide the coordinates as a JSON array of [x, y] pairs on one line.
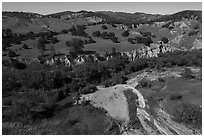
[[41, 48], [188, 73], [104, 27], [76, 45], [113, 50], [113, 25], [25, 46], [138, 39], [105, 35], [6, 43], [52, 50], [125, 33], [54, 40], [111, 34], [90, 88], [131, 40], [64, 31], [91, 40], [42, 40], [146, 41], [196, 26], [96, 34], [114, 39], [41, 45], [164, 40], [11, 53], [8, 33]]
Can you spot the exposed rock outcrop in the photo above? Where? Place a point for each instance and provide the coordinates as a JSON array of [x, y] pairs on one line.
[[197, 44]]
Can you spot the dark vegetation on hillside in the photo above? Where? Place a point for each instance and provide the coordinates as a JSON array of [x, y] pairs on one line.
[[138, 39], [125, 33], [37, 92], [9, 38], [188, 114], [23, 15], [106, 35], [117, 17]]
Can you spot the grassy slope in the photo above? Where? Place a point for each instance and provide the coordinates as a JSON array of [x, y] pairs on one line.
[[102, 45], [76, 120], [172, 94]]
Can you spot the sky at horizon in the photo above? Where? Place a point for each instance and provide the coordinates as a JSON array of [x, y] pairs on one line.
[[130, 7]]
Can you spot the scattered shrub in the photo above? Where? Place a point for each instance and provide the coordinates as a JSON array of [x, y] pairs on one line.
[[91, 40], [96, 34], [104, 27], [131, 40], [196, 26], [176, 97], [89, 89], [113, 25], [125, 33], [188, 73], [25, 46], [146, 34], [145, 83], [161, 79], [164, 40], [114, 39], [54, 40], [64, 31], [193, 32], [105, 35], [12, 54], [76, 45], [146, 41]]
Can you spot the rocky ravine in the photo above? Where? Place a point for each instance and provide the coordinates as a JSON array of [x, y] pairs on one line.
[[120, 106]]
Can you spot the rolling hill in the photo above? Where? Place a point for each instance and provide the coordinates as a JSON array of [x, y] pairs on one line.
[[102, 73]]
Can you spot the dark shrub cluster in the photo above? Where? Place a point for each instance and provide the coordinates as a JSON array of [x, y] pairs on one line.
[[131, 40], [54, 40], [89, 89], [113, 25], [164, 40], [138, 39], [11, 53], [9, 38], [25, 46], [146, 34], [78, 31], [188, 74], [125, 33], [76, 45], [113, 38], [104, 27], [106, 35], [64, 31], [193, 32], [96, 34], [38, 89], [91, 40]]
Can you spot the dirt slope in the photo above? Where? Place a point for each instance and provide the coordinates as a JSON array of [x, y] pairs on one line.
[[136, 114]]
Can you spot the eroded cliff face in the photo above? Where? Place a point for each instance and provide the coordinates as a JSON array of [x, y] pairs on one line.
[[183, 35]]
